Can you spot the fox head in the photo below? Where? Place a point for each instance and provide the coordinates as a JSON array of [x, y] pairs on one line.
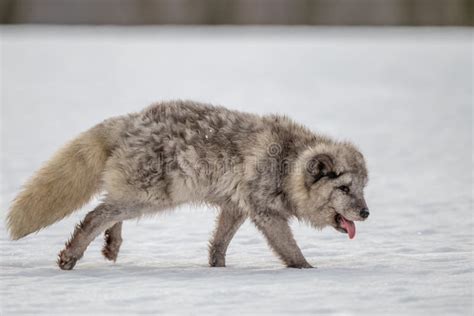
[[327, 186]]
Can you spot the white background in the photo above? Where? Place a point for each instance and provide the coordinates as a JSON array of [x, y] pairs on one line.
[[404, 96]]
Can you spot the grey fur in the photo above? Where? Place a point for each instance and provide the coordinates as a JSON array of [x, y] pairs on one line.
[[266, 168], [113, 241]]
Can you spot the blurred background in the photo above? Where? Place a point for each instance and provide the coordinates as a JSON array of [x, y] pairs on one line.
[[282, 12], [402, 93]]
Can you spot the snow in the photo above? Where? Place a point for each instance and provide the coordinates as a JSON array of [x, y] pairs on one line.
[[404, 96]]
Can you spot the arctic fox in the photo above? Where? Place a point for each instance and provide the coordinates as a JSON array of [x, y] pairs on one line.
[[266, 168]]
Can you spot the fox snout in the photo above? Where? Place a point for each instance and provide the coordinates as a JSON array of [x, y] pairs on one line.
[[364, 213], [363, 208]]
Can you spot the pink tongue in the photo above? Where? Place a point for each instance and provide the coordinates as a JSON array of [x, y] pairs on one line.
[[349, 226]]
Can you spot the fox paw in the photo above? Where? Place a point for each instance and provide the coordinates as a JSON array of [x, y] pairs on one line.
[[303, 265], [216, 258], [217, 261], [111, 247], [66, 261], [110, 252]]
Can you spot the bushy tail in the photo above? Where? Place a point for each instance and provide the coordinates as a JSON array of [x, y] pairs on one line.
[[64, 184]]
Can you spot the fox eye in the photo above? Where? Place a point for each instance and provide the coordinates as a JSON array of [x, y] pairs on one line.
[[344, 188]]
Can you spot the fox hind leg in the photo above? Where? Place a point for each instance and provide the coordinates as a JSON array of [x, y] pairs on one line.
[[101, 218], [113, 241]]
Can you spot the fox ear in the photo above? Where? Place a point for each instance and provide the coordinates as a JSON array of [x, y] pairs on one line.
[[318, 167]]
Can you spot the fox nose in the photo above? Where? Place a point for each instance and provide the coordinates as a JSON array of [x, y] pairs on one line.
[[364, 213]]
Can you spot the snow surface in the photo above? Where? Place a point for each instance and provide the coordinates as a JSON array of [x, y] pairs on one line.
[[403, 95]]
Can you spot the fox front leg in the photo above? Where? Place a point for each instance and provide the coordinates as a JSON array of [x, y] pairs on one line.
[[280, 238], [228, 222]]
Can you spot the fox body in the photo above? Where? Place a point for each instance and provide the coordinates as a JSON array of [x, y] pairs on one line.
[[265, 168]]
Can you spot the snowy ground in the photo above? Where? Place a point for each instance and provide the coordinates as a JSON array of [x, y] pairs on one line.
[[403, 95]]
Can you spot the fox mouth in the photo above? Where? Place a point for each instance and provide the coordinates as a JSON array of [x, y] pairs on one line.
[[345, 226]]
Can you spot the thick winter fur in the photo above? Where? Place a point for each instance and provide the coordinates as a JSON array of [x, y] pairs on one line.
[[64, 184], [266, 168]]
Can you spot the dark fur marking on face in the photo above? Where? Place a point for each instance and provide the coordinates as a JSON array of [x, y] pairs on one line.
[[320, 166]]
